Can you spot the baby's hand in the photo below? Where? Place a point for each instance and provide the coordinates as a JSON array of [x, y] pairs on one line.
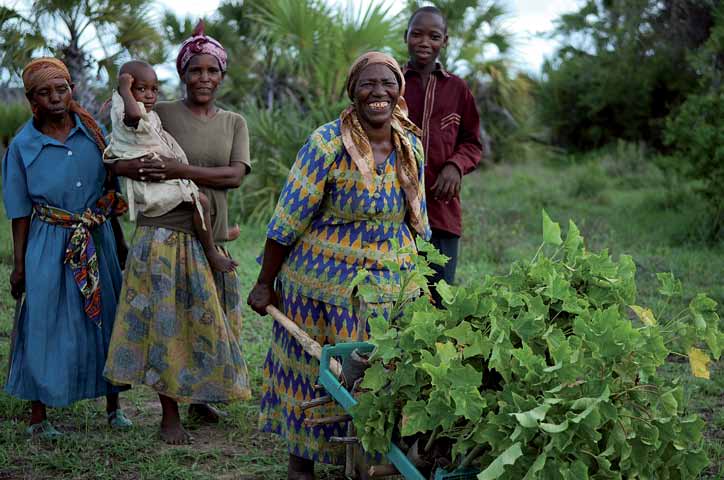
[[125, 80]]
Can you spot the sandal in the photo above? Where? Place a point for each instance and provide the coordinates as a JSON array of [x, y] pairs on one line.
[[44, 430], [117, 419]]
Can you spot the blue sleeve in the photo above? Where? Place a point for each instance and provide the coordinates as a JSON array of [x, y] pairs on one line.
[[302, 195], [15, 185]]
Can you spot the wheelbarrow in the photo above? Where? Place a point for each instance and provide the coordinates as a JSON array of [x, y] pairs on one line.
[[330, 372]]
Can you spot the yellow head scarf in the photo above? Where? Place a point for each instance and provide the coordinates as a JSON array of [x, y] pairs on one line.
[[358, 145]]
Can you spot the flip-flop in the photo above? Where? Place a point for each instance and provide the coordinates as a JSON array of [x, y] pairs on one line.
[[117, 419], [44, 430]]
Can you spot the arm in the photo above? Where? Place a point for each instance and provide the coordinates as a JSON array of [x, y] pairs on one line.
[[21, 227], [468, 148], [132, 112], [263, 292], [19, 208], [213, 177], [219, 178], [467, 153], [298, 203]]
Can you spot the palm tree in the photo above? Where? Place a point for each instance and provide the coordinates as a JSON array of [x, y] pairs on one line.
[[74, 30]]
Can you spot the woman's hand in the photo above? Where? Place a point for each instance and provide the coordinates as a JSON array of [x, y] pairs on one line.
[[17, 283], [145, 169], [171, 169], [261, 296]]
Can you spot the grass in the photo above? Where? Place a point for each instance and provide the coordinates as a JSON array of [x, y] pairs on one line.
[[618, 199]]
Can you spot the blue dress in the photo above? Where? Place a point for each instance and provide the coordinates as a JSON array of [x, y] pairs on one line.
[[59, 353]]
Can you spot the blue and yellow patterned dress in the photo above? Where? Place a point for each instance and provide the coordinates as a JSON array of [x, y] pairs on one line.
[[336, 226]]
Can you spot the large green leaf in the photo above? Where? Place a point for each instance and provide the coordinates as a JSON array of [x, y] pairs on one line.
[[497, 468], [551, 230]]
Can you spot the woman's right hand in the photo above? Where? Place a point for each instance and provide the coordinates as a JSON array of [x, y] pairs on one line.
[[261, 296], [17, 283], [145, 169]]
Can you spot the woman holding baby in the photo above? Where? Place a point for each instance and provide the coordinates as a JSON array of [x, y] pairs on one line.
[[174, 331]]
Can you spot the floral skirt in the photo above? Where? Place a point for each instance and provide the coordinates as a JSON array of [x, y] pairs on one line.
[[290, 375], [171, 332]]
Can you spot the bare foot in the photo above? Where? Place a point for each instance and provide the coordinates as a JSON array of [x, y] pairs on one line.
[[175, 434], [234, 233], [220, 263], [200, 412]]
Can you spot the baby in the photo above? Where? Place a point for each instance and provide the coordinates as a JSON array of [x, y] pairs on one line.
[[137, 132]]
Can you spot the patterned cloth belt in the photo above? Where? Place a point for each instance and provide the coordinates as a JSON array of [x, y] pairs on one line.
[[80, 253]]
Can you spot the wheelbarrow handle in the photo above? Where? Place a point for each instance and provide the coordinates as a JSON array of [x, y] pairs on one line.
[[308, 344]]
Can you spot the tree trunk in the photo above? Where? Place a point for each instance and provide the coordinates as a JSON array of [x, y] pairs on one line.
[[79, 66]]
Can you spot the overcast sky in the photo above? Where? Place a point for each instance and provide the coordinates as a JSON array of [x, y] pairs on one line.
[[527, 19]]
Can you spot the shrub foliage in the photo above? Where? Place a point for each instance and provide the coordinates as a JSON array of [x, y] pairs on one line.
[[550, 371]]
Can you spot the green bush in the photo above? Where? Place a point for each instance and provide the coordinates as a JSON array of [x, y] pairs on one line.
[[697, 133], [589, 101], [696, 129], [622, 70], [550, 371], [12, 117]]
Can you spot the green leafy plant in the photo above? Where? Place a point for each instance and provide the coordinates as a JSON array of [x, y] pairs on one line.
[[550, 371], [696, 129], [12, 117]]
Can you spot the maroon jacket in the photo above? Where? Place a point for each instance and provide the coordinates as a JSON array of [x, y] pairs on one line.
[[450, 124]]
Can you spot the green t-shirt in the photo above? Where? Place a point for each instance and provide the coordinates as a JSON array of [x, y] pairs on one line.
[[218, 141]]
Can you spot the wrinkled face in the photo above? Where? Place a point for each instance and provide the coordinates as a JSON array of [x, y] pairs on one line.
[[425, 37], [202, 77], [145, 87], [376, 94], [51, 99]]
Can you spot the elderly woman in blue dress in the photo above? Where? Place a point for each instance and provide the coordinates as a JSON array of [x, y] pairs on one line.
[[67, 243]]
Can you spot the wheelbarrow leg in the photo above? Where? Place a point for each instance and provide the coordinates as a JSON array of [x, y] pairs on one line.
[[349, 469]]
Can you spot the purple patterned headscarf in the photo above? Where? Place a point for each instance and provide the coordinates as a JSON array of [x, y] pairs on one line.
[[199, 44]]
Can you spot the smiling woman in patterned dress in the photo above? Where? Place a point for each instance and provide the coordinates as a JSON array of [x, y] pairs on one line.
[[355, 188]]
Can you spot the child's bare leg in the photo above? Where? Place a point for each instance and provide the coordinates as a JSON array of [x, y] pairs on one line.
[[172, 431], [216, 259]]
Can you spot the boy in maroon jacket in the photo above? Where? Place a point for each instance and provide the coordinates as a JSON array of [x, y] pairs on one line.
[[442, 105]]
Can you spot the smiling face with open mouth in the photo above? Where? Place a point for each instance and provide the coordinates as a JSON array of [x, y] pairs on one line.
[[375, 95]]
